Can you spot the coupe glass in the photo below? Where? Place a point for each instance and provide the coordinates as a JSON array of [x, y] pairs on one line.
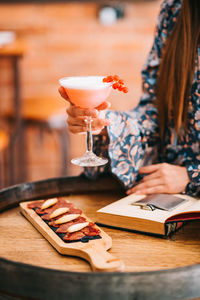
[[87, 92]]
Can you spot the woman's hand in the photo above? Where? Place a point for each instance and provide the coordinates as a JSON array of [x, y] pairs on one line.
[[161, 178], [76, 116]]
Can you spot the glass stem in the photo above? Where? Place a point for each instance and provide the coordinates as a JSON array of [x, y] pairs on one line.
[[89, 140]]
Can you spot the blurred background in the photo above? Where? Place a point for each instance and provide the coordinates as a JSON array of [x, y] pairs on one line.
[[42, 41]]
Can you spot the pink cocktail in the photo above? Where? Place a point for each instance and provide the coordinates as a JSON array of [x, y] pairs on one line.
[[87, 92]]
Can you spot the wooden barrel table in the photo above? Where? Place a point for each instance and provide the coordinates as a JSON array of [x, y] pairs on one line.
[[30, 268]]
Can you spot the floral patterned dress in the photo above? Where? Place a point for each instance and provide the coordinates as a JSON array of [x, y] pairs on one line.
[[133, 136]]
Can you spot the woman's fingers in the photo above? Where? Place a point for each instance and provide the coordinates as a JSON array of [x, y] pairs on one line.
[[77, 116], [63, 93], [93, 112], [80, 121], [150, 169], [104, 105], [77, 125], [82, 128], [146, 187], [151, 176], [77, 129], [75, 112], [158, 189]]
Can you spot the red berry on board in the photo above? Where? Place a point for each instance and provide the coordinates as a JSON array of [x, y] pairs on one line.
[[105, 79]]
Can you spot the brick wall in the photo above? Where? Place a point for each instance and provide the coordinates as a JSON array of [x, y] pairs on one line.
[[67, 39]]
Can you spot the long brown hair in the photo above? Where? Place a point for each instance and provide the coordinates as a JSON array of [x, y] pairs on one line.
[[176, 70]]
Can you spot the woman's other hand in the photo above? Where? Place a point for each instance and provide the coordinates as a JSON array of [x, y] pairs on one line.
[[76, 116], [161, 178]]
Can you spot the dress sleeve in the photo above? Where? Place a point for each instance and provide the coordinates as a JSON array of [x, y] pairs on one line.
[[193, 187], [133, 135]]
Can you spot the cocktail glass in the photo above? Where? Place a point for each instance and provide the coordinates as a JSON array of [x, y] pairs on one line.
[[87, 92]]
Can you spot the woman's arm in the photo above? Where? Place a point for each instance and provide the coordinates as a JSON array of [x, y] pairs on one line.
[[133, 135]]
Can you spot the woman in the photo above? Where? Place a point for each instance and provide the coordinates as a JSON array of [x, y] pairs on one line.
[[155, 148]]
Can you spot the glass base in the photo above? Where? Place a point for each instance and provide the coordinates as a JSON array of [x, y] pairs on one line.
[[89, 159]]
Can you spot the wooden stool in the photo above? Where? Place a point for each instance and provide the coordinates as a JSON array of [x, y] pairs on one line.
[[47, 114], [4, 140], [14, 53]]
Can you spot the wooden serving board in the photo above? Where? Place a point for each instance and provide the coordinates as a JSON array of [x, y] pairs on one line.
[[94, 251]]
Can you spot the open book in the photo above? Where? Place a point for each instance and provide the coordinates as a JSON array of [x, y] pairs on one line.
[[157, 214]]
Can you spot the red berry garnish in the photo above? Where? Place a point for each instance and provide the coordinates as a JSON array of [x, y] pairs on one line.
[[125, 90], [121, 81], [120, 87], [115, 85], [116, 78], [110, 78], [118, 83]]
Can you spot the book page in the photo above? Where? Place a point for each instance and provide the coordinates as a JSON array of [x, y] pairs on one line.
[[194, 207], [124, 207]]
